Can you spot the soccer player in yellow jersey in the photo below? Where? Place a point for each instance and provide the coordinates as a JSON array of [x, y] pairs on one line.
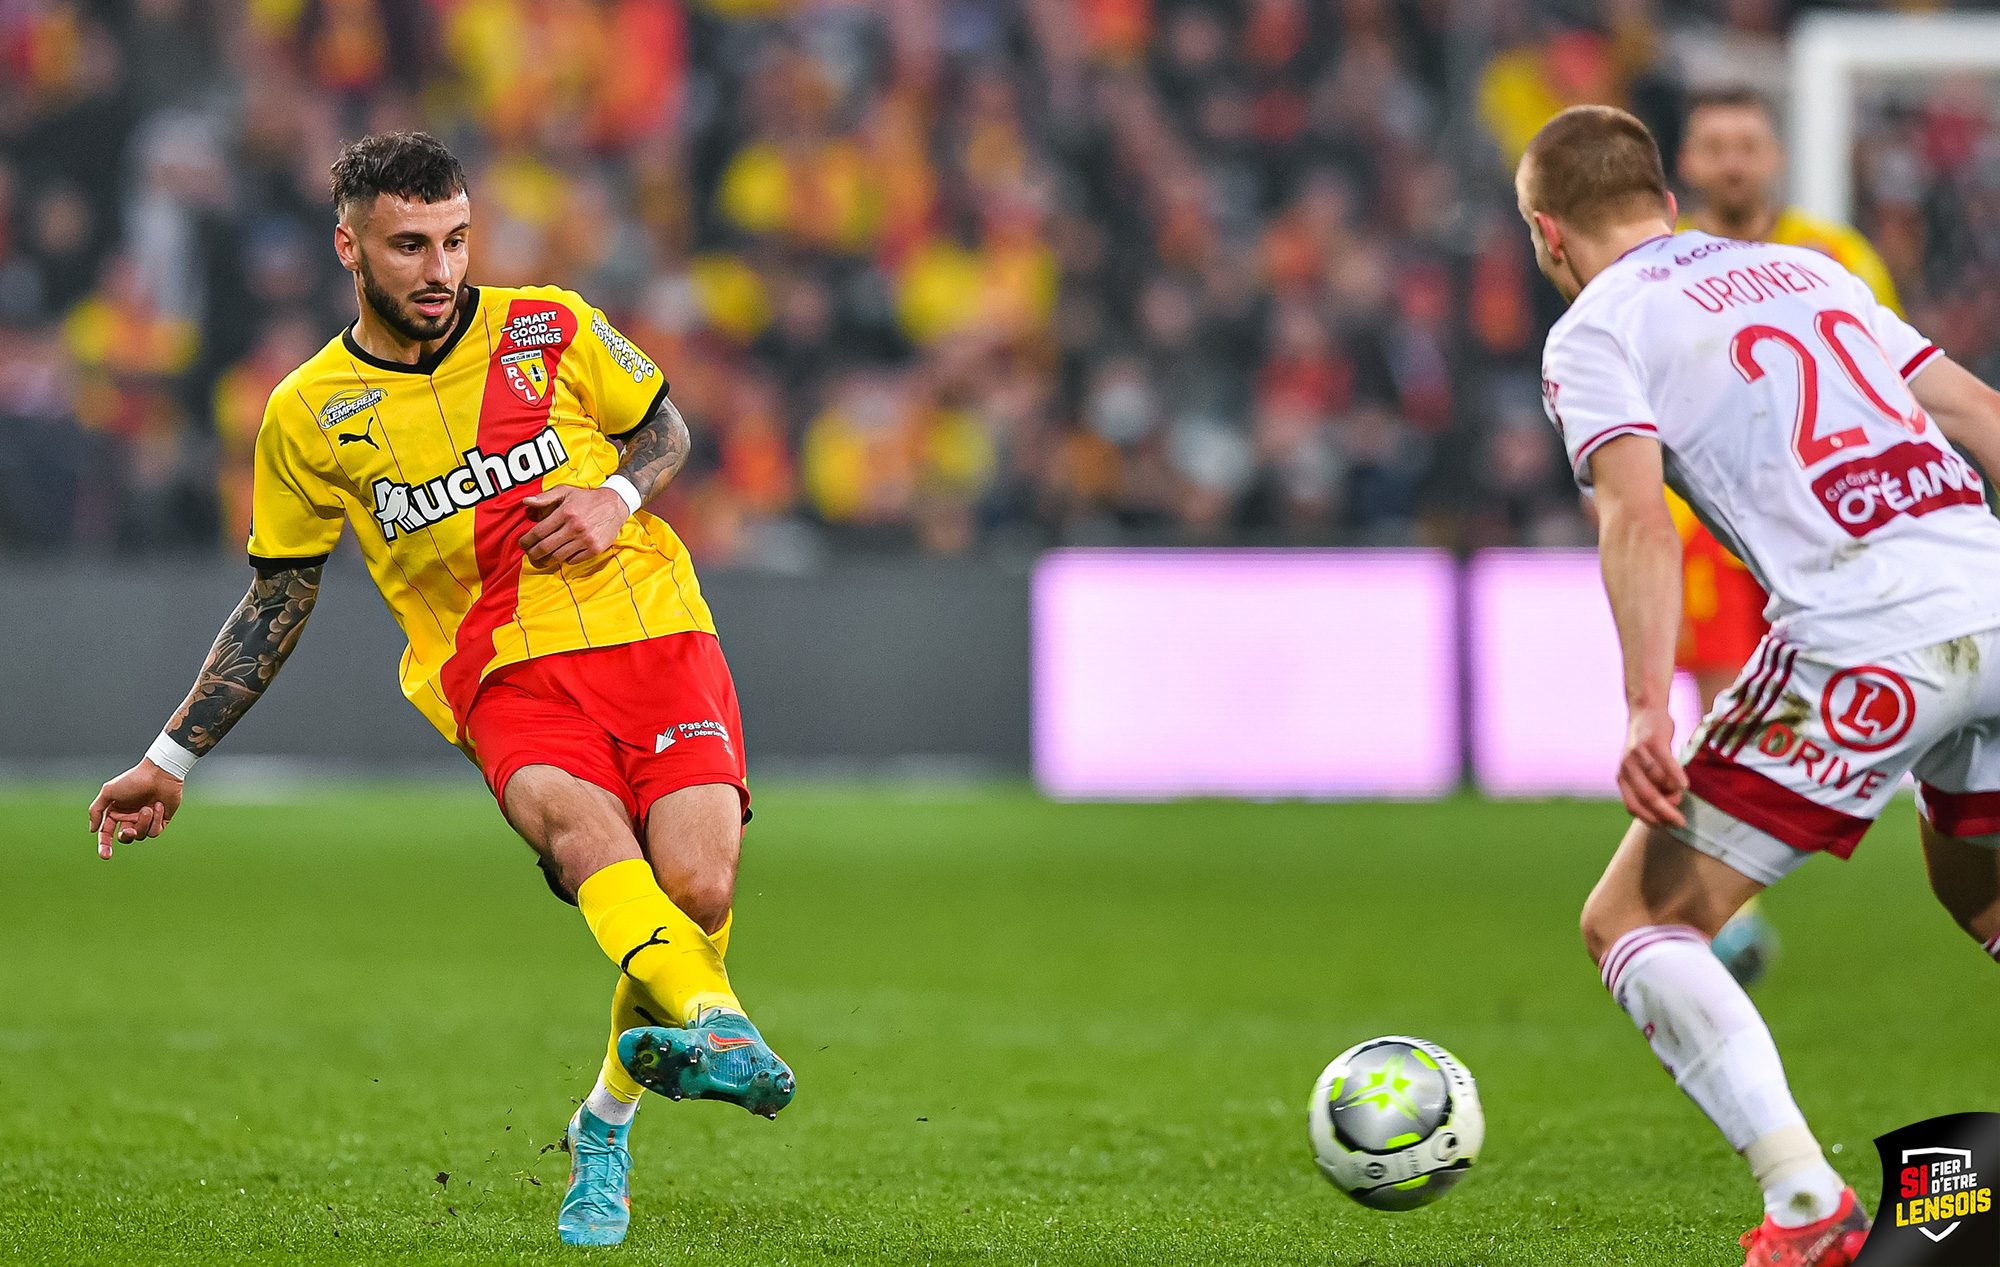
[[1731, 161], [493, 449]]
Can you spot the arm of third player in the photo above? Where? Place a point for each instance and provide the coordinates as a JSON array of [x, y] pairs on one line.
[[247, 655]]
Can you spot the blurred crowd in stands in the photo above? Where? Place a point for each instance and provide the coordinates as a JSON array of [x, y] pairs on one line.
[[950, 276]]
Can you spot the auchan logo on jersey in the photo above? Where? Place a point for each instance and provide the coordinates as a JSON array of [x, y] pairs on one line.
[[413, 507], [1910, 479]]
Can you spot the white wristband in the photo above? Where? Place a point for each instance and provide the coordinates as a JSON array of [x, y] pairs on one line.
[[626, 489], [168, 754]]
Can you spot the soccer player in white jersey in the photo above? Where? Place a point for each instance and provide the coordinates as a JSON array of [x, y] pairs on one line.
[[1811, 429]]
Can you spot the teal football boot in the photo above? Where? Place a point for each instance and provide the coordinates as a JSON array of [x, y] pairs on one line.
[[598, 1206], [721, 1056]]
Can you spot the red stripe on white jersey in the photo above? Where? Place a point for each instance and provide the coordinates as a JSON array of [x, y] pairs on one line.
[[1603, 437], [1993, 946], [1772, 694], [1747, 694], [1754, 702], [1920, 360]]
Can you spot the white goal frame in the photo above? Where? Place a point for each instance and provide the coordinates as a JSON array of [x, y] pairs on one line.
[[1828, 50]]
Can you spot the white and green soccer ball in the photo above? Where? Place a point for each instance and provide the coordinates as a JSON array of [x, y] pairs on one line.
[[1396, 1122]]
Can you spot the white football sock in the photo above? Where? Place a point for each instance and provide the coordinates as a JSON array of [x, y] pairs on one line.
[[1799, 1187], [609, 1107], [1993, 947], [1708, 1034]]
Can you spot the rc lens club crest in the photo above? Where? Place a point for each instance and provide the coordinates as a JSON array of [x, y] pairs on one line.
[[527, 375]]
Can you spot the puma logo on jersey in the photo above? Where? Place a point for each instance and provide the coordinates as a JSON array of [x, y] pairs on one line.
[[347, 438], [413, 507]]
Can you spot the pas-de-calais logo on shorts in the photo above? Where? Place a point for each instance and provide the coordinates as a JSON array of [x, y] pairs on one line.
[[692, 730], [1937, 1195]]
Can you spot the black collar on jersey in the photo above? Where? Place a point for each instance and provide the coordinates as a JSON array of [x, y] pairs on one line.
[[468, 307]]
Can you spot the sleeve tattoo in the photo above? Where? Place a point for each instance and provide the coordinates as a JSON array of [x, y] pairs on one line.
[[247, 654], [655, 450]]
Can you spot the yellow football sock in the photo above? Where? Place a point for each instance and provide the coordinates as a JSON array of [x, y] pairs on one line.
[[654, 942], [632, 1007]]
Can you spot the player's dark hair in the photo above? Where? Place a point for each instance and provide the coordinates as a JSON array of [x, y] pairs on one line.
[[1593, 166], [412, 165], [1738, 97]]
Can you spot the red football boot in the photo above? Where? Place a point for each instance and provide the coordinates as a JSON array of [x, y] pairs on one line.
[[1831, 1242]]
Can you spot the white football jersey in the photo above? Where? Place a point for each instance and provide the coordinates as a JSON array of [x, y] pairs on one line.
[[1777, 388]]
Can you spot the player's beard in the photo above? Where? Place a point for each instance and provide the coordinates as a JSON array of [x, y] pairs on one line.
[[1737, 205], [397, 313]]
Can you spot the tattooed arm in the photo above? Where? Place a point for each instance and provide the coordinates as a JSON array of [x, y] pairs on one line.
[[656, 450], [247, 654], [574, 524]]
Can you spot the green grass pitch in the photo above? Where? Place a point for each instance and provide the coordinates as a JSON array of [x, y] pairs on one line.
[[345, 1028]]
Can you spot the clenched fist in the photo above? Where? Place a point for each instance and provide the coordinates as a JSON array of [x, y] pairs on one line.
[[572, 524]]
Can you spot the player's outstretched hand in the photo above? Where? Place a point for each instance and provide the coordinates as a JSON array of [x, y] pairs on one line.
[[572, 524], [1650, 777], [137, 804]]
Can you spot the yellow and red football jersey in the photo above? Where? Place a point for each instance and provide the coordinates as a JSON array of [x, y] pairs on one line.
[[1722, 606], [1841, 243], [430, 462]]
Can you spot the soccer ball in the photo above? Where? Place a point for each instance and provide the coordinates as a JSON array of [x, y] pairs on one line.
[[1395, 1122]]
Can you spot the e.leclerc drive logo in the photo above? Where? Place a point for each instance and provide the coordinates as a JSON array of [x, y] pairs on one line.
[[1937, 1195]]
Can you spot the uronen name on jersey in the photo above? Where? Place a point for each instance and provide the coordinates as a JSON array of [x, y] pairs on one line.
[[412, 507]]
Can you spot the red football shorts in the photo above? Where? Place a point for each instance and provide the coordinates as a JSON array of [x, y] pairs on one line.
[[639, 720]]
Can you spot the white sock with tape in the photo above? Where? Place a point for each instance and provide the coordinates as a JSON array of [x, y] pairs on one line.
[[609, 1107], [1712, 1040], [1799, 1187]]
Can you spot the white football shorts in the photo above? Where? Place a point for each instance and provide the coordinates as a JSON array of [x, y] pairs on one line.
[[1802, 754]]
